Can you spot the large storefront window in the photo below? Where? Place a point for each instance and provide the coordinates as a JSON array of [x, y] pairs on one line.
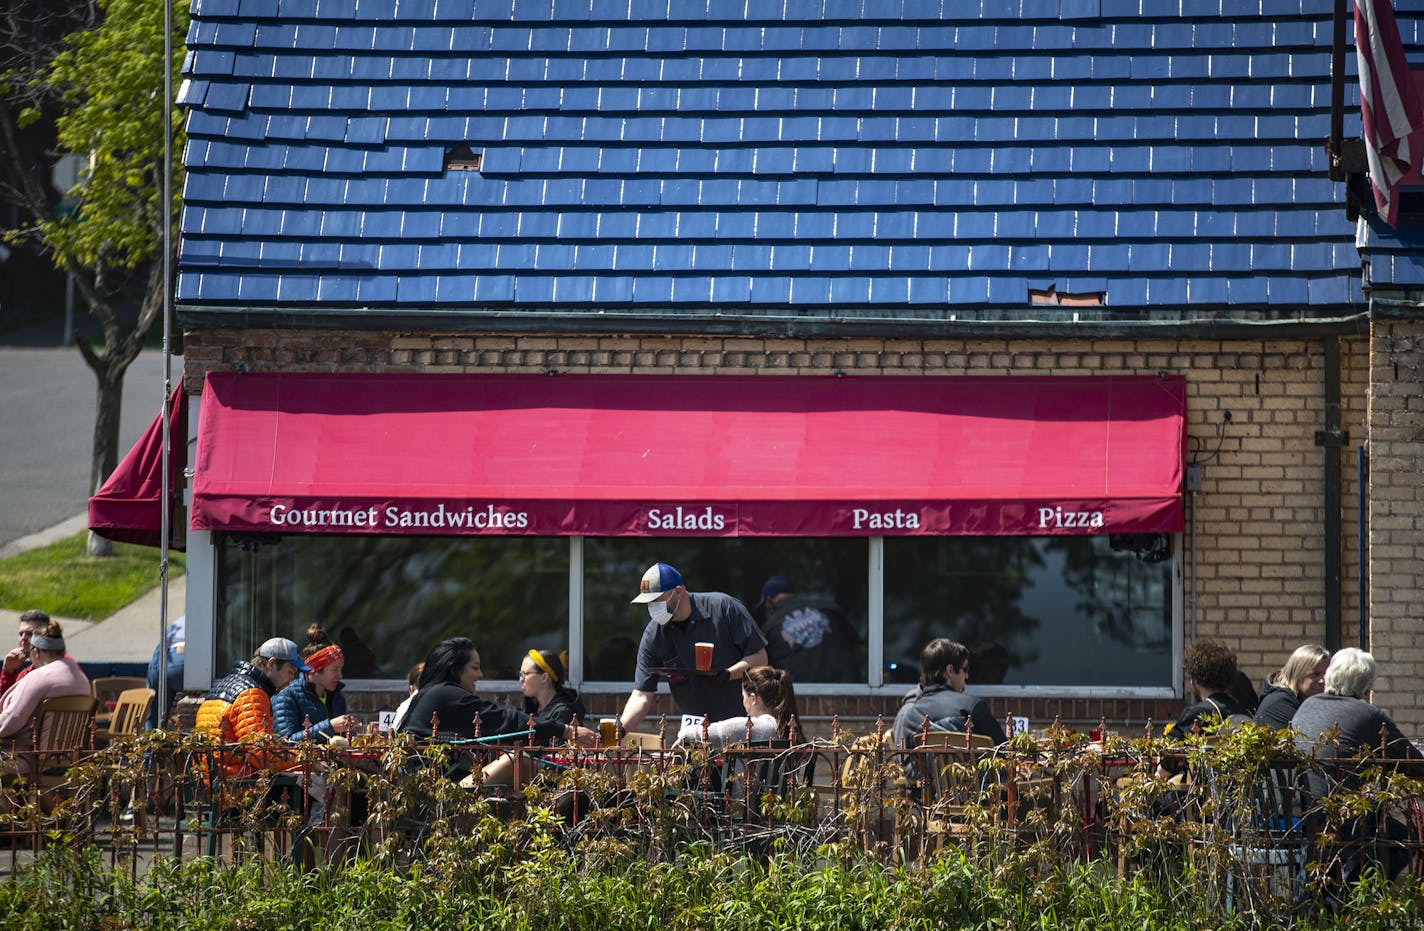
[[1046, 611], [828, 575], [1069, 612], [387, 600]]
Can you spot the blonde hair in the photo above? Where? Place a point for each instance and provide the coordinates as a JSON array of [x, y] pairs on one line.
[[1300, 664]]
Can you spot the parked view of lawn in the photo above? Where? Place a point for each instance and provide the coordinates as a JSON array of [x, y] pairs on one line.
[[67, 582]]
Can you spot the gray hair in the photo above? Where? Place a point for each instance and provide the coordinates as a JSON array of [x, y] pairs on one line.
[[1351, 673]]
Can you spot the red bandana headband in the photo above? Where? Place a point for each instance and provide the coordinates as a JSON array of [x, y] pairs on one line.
[[324, 657]]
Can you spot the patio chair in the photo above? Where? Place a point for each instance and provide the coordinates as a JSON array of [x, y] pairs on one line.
[[106, 689]]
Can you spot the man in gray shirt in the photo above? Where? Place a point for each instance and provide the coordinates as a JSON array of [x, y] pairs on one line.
[[678, 620]]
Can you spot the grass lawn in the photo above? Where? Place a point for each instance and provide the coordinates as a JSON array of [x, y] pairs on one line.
[[64, 581]]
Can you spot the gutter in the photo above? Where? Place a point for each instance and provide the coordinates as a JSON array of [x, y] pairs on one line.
[[1085, 323]]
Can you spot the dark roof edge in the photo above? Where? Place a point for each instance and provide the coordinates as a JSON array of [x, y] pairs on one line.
[[1400, 304], [1078, 323]]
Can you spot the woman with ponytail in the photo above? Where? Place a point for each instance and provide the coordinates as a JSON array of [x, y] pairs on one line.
[[770, 701], [543, 680]]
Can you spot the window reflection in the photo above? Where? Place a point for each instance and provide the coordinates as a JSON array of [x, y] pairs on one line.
[[827, 573], [387, 600], [1066, 611]]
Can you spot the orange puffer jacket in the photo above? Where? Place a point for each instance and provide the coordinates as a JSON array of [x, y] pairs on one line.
[[238, 708]]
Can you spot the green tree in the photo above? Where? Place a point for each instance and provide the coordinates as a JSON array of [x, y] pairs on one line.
[[107, 86]]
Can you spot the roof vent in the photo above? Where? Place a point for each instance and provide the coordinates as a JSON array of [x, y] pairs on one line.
[[463, 158], [1051, 295]]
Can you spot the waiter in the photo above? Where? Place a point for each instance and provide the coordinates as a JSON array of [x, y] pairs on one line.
[[678, 620]]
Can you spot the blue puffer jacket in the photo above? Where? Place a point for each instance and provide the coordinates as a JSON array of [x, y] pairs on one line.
[[298, 702]]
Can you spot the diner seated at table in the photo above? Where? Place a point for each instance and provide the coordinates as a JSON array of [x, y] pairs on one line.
[[1302, 676], [238, 707], [51, 675], [548, 700], [412, 685], [447, 708], [940, 702], [1340, 723], [1211, 669], [313, 707], [769, 697]]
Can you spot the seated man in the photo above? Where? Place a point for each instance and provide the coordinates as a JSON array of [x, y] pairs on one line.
[[1211, 670], [940, 699], [239, 706]]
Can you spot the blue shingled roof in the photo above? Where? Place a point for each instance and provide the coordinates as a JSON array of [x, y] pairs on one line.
[[857, 155]]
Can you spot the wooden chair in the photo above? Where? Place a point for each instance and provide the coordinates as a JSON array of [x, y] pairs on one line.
[[950, 781], [130, 712], [642, 740], [107, 689]]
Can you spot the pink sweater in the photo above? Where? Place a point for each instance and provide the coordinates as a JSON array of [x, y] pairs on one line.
[[17, 707]]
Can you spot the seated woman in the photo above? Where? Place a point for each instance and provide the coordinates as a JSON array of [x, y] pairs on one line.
[[1302, 676], [769, 698], [547, 700], [313, 706], [1339, 723], [446, 698], [940, 700], [50, 676]]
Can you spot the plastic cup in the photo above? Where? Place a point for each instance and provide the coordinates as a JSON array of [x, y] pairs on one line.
[[608, 732], [704, 657]]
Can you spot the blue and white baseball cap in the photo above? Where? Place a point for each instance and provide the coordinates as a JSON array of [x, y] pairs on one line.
[[657, 581]]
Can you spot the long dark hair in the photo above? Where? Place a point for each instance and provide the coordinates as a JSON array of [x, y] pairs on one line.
[[445, 660], [774, 688]]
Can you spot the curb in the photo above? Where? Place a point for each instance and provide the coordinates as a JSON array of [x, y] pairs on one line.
[[59, 531]]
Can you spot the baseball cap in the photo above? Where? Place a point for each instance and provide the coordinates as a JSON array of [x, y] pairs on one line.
[[659, 579], [776, 585], [282, 648]]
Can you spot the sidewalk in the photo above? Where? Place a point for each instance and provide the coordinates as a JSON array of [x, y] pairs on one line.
[[128, 636]]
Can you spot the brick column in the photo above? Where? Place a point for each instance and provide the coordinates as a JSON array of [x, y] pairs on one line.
[[1396, 517]]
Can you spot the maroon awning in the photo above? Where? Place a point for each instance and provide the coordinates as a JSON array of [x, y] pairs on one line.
[[656, 455], [126, 508]]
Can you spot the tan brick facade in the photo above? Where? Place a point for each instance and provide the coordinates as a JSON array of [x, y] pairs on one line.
[[1396, 516], [1259, 517]]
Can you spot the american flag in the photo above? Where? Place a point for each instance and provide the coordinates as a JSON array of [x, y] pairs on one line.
[[1389, 105]]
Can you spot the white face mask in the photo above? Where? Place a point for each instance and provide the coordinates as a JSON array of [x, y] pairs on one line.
[[660, 612]]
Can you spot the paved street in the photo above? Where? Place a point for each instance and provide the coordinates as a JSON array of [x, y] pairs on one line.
[[46, 425]]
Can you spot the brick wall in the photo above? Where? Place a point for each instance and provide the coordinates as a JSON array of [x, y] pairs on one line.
[[1396, 517], [1259, 515]]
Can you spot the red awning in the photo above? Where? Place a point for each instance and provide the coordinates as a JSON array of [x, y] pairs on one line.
[[649, 455], [126, 508]]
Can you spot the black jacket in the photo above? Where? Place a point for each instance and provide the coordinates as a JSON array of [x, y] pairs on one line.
[[1278, 706]]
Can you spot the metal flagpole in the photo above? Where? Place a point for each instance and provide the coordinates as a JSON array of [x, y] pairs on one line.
[[165, 214]]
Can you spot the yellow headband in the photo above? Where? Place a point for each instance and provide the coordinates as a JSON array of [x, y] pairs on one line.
[[539, 661]]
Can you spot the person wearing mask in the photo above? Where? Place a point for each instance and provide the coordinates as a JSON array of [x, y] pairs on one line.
[[1302, 676], [678, 620], [238, 708], [769, 699], [51, 674], [446, 705], [313, 707], [548, 700], [940, 698]]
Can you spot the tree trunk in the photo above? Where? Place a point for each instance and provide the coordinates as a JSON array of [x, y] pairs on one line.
[[109, 375]]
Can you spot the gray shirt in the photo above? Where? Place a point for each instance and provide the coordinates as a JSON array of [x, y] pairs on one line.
[[718, 619], [1360, 723]]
